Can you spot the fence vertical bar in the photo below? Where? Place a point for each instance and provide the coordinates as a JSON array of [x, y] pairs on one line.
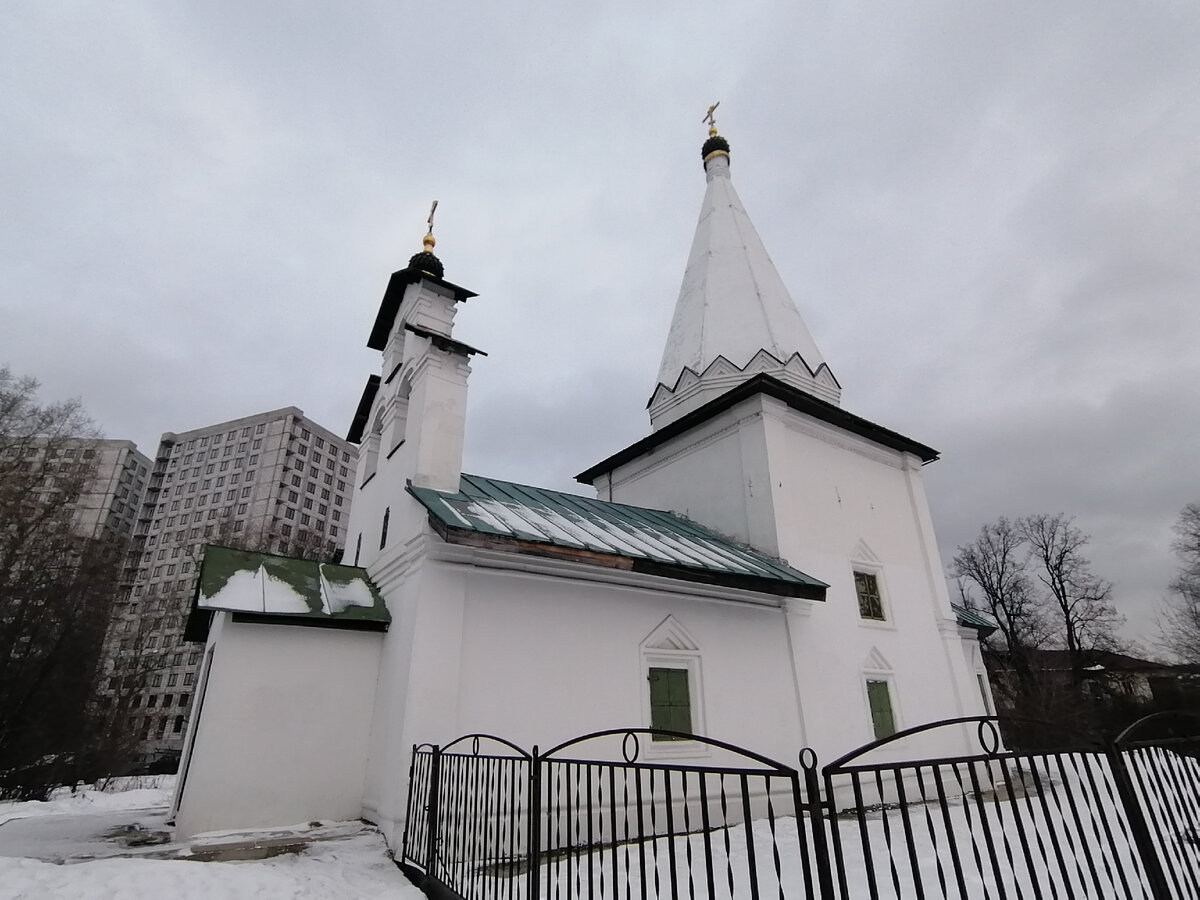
[[1146, 846], [431, 819], [412, 762], [535, 827], [815, 807]]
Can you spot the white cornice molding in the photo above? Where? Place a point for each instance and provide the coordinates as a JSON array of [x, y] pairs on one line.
[[499, 562]]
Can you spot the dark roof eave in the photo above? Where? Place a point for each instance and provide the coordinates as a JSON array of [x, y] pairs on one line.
[[762, 384], [449, 345], [394, 294], [371, 625], [814, 590], [359, 423]]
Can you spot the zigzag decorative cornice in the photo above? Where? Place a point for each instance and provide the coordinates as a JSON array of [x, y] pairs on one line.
[[722, 374]]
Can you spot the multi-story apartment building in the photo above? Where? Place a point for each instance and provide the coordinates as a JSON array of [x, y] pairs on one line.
[[274, 481], [105, 503], [111, 499]]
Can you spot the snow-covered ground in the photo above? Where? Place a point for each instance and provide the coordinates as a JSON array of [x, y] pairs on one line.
[[83, 849]]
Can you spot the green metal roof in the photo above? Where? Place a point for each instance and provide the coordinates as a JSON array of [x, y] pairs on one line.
[[293, 590], [972, 619], [552, 523]]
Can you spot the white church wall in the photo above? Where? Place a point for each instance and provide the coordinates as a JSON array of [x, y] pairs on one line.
[[285, 721], [827, 502], [539, 659], [844, 505], [717, 474]]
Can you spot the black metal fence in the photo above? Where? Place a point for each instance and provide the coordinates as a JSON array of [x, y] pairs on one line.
[[599, 817]]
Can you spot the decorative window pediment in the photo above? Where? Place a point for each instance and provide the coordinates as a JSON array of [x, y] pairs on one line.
[[876, 662], [670, 635]]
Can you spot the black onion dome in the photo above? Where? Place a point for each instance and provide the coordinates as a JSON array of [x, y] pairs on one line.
[[428, 263], [712, 145]]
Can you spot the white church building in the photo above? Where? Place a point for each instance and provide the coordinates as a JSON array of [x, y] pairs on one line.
[[761, 568]]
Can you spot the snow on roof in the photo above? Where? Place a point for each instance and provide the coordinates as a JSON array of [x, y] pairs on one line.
[[245, 581], [533, 520]]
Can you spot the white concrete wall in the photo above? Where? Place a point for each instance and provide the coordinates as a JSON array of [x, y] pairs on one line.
[[284, 727], [538, 658], [826, 500]]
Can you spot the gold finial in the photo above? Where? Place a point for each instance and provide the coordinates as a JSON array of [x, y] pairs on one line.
[[709, 118], [428, 240]]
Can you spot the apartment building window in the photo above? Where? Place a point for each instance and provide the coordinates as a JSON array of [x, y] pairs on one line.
[[225, 465], [316, 457], [337, 516], [245, 492], [333, 531], [254, 459], [260, 428], [337, 501], [173, 679], [314, 472], [296, 481], [229, 495], [311, 488], [289, 513], [304, 519], [256, 444], [323, 509], [293, 497], [301, 450], [308, 503], [329, 478], [304, 433], [286, 530], [189, 678], [231, 435]]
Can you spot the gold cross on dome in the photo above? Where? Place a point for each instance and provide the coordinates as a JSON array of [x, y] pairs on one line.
[[708, 116]]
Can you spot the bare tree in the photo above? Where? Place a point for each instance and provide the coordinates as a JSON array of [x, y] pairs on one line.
[[1082, 602], [1179, 616], [993, 577], [57, 587]]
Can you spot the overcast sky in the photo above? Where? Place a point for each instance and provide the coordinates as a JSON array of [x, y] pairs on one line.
[[986, 212]]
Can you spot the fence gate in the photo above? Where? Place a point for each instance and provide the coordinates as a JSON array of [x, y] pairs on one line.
[[597, 817], [467, 826], [606, 816]]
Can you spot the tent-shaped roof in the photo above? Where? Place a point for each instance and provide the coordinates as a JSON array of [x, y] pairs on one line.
[[488, 512]]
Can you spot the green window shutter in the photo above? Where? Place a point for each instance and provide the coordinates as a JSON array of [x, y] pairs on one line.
[[880, 700], [670, 701]]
